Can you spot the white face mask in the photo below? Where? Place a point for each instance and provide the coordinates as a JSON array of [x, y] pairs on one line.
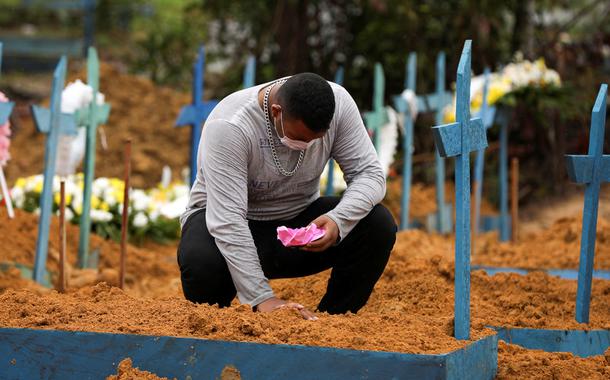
[[290, 143]]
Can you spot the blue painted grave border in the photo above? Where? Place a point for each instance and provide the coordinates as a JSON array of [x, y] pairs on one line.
[[583, 343], [27, 353]]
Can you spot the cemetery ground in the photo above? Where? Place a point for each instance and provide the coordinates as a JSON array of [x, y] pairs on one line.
[[410, 311]]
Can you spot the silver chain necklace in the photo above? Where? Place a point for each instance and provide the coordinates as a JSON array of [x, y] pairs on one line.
[[276, 159]]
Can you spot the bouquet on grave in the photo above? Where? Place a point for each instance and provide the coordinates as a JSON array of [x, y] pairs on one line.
[[153, 213], [508, 84]]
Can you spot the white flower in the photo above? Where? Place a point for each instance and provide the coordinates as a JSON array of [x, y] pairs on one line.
[[180, 191], [174, 209], [72, 189], [31, 182], [140, 220], [100, 216], [69, 214], [56, 185], [109, 199], [139, 200], [77, 202], [18, 196], [100, 186]]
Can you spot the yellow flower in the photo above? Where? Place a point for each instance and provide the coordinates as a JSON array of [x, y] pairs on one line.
[[496, 91], [118, 195], [449, 115], [20, 182], [477, 100], [95, 202], [104, 206], [38, 187], [117, 184]]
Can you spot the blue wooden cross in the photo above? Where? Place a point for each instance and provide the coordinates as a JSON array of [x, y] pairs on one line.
[[437, 101], [403, 107], [378, 117], [195, 114], [90, 117], [502, 120], [503, 221], [249, 72], [486, 114], [330, 190], [53, 123], [5, 107], [458, 140], [591, 169]]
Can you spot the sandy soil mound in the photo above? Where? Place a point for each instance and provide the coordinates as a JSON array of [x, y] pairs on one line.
[[555, 247]]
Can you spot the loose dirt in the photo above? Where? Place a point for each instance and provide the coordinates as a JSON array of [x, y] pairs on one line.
[[557, 247], [151, 270], [515, 362], [126, 371], [411, 309]]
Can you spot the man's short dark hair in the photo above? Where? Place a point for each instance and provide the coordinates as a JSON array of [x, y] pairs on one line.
[[308, 97]]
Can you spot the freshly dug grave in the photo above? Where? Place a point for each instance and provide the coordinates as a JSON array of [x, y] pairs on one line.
[[141, 110], [151, 270], [411, 308], [557, 247], [104, 308], [419, 280]]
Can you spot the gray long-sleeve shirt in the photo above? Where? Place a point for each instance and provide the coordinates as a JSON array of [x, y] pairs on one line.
[[237, 179]]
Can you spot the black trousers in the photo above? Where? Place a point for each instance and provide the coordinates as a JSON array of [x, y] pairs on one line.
[[357, 261]]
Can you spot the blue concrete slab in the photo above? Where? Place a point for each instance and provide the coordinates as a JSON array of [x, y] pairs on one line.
[[568, 274], [579, 342], [50, 354]]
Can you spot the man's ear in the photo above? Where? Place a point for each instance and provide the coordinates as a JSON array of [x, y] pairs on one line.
[[276, 109]]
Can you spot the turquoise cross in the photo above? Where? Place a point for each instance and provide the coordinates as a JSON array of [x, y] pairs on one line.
[[53, 123], [458, 140], [591, 169]]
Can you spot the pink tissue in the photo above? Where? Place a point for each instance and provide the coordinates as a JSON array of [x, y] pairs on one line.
[[293, 237]]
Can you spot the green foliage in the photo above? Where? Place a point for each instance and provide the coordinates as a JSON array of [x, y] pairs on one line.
[[166, 43]]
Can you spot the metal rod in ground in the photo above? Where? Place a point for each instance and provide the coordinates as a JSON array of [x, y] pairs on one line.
[[124, 224], [514, 168], [62, 236]]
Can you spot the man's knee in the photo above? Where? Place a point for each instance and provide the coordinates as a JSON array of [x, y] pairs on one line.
[[204, 274]]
